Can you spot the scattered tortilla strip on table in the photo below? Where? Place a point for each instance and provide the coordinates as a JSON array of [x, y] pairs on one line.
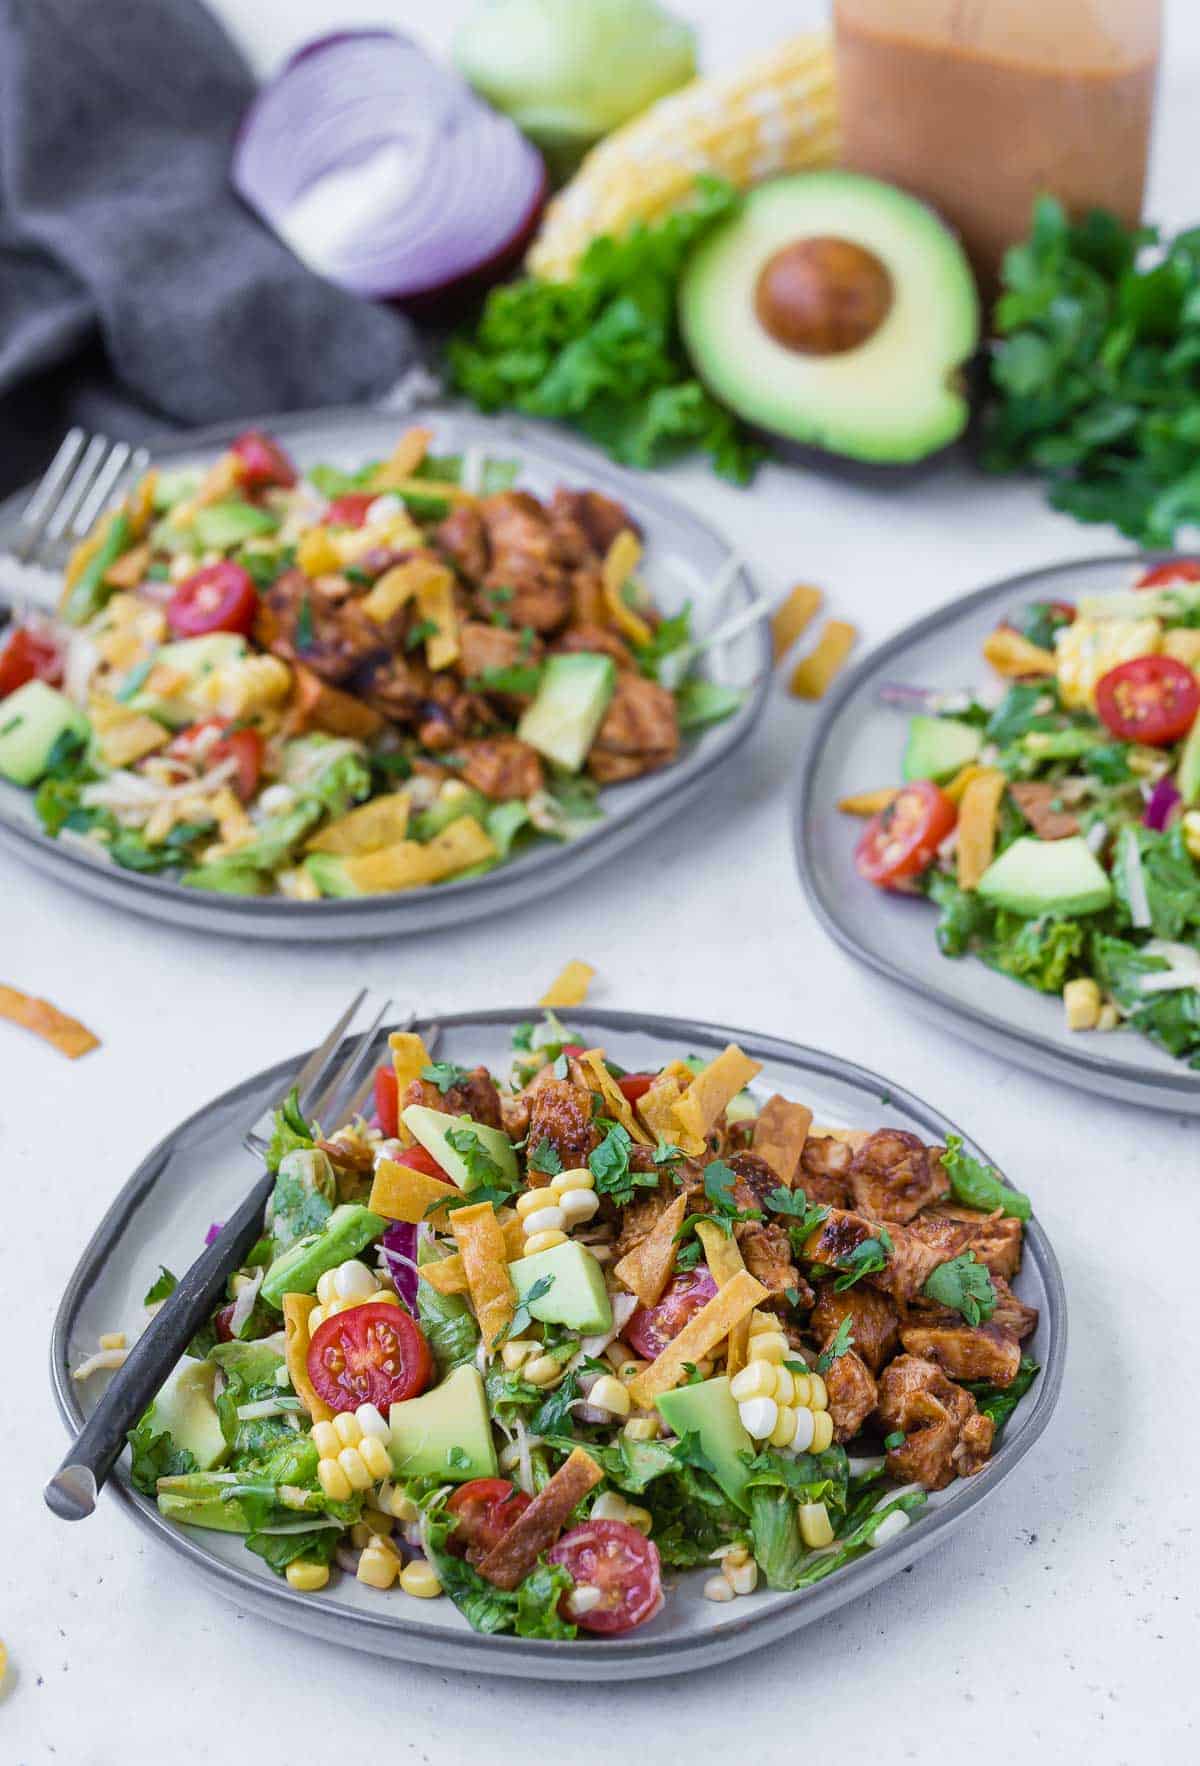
[[616, 1104], [399, 1192], [724, 1262], [382, 822], [296, 1310], [648, 1268], [699, 1337], [449, 1274], [570, 987], [510, 1561], [812, 676], [779, 1136], [793, 616], [67, 1035], [714, 1087], [480, 1240], [978, 817], [868, 803]]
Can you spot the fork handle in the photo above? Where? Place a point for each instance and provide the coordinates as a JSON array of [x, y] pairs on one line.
[[71, 1492]]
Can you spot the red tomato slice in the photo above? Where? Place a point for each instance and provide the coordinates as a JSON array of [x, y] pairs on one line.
[[622, 1563], [574, 1048], [350, 510], [420, 1160], [484, 1510], [261, 461], [204, 751], [1153, 699], [219, 598], [651, 1328], [387, 1101], [1175, 570], [27, 657], [372, 1354], [636, 1085], [903, 838]]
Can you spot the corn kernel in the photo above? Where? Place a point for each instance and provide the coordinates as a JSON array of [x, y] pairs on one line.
[[347, 1428], [543, 1220], [325, 1440], [641, 1428], [360, 1536], [1191, 833], [612, 1506], [762, 1321], [352, 1280], [381, 1297], [759, 1417], [351, 1462], [544, 1242], [803, 1426], [333, 1480], [785, 1386], [515, 1353], [315, 1317], [818, 1397], [375, 1457], [770, 1346], [543, 1370], [530, 1203], [756, 1380], [378, 1567], [113, 1340], [578, 1178], [372, 1422], [718, 1588], [394, 1502], [629, 1368], [326, 1290], [609, 1394], [577, 1206], [822, 1430], [785, 1426], [306, 1578], [420, 1579], [815, 1528], [378, 1522], [1081, 998], [801, 1389], [1109, 1018], [741, 1577]]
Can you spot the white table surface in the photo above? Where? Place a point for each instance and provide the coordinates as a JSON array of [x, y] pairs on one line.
[[1066, 1615]]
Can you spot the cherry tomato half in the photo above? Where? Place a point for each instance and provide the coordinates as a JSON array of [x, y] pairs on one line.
[[1153, 699], [484, 1510], [636, 1085], [372, 1354], [622, 1563], [213, 740], [387, 1101], [219, 598], [420, 1160], [1175, 570], [901, 840], [261, 461], [651, 1328], [27, 657], [350, 510]]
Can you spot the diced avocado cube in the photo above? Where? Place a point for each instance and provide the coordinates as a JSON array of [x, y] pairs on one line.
[[222, 525], [431, 1128], [349, 1229], [445, 810], [186, 1410], [939, 747], [710, 1411], [195, 1500], [1035, 877], [194, 658], [31, 721], [569, 707], [1187, 778], [576, 1296], [446, 1433]]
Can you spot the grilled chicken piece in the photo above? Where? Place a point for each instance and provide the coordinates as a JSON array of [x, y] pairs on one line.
[[462, 541], [872, 1316], [893, 1175], [995, 1238], [595, 518], [561, 1113], [526, 558], [475, 1096], [945, 1436], [640, 732], [824, 1173], [852, 1391], [396, 686], [503, 767], [484, 646], [966, 1352], [767, 1253], [598, 641], [331, 638], [1036, 798], [1011, 1313], [641, 1215]]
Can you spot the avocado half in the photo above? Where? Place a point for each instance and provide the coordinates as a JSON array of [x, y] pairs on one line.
[[836, 312]]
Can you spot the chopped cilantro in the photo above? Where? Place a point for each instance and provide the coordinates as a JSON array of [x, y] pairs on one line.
[[418, 632], [457, 1458], [866, 1259], [444, 1074], [842, 1344], [304, 624], [546, 1158], [522, 1318], [965, 1285], [162, 1289], [896, 1439]]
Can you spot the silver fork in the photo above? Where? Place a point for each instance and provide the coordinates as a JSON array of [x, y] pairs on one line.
[[79, 482], [332, 1086]]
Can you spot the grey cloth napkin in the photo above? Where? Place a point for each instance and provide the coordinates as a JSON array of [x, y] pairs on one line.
[[136, 292]]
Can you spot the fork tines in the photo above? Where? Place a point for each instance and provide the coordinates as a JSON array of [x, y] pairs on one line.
[[83, 476]]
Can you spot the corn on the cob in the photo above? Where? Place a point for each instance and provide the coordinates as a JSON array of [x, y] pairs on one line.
[[778, 114]]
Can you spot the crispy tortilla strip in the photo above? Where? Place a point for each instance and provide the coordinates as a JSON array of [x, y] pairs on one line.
[[779, 1136], [480, 1239], [382, 822], [410, 1058], [317, 553], [812, 676], [713, 1087], [699, 1337], [1183, 643], [409, 865], [868, 803], [655, 1107], [435, 602], [617, 1105], [978, 815], [449, 1274], [403, 460], [129, 569], [620, 562], [648, 1268], [852, 1137], [724, 1262], [317, 706], [962, 778], [296, 1310], [398, 1192], [67, 1035], [793, 616], [1012, 655], [396, 587], [509, 1562], [124, 736], [570, 987]]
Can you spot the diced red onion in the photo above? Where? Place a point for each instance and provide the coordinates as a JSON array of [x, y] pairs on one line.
[[1163, 799], [383, 170], [398, 1248], [214, 1232]]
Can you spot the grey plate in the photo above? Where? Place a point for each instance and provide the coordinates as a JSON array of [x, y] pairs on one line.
[[857, 747], [199, 1172], [683, 558]]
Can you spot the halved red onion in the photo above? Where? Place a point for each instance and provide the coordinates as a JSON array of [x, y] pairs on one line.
[[1161, 802], [383, 171]]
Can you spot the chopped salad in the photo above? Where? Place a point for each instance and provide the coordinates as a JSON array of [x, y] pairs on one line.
[[345, 683], [1057, 828], [527, 1342]]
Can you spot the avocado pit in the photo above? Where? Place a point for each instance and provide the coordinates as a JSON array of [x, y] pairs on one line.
[[823, 296]]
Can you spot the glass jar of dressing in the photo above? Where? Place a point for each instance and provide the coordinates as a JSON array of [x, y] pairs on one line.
[[977, 106]]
